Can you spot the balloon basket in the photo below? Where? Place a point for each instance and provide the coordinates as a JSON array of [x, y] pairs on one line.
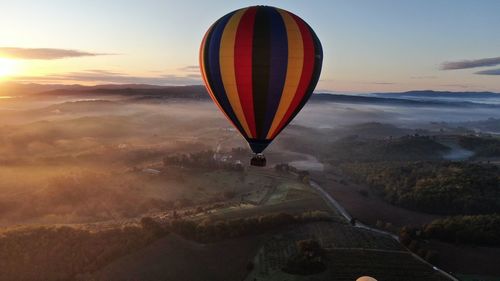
[[258, 160]]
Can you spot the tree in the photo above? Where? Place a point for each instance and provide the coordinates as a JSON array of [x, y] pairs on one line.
[[152, 227], [309, 259]]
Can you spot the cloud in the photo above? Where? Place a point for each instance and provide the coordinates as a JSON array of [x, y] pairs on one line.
[[464, 64], [379, 83], [190, 68], [108, 77], [489, 72], [461, 86], [43, 53], [423, 77], [194, 75]]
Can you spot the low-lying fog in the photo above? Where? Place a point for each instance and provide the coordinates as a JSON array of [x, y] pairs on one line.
[[76, 161], [332, 115]]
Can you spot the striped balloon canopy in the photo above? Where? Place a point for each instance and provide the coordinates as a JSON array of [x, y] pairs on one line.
[[260, 65]]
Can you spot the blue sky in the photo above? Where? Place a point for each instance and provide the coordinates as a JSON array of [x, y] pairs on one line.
[[368, 45]]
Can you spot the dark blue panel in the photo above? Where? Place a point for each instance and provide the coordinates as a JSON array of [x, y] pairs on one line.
[[212, 67], [279, 64]]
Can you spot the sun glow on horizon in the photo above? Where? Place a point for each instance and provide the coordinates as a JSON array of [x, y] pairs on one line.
[[8, 67]]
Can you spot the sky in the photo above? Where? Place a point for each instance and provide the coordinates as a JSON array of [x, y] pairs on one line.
[[369, 46]]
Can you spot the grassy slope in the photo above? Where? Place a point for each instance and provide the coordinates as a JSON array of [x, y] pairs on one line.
[[174, 258]]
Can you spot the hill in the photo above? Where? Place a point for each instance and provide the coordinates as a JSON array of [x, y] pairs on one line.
[[408, 99], [434, 94], [134, 92], [145, 92]]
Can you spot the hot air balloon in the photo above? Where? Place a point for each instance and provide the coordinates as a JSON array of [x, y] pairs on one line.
[[366, 278], [260, 65]]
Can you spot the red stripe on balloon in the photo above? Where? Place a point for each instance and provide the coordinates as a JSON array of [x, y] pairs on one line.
[[305, 78], [243, 66]]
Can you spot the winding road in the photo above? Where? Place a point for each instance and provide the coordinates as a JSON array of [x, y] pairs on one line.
[[337, 207]]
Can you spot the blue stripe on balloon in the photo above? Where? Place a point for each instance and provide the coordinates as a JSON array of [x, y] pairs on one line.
[[213, 66], [318, 62], [279, 63]]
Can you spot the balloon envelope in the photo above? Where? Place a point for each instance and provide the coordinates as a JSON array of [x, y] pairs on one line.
[[260, 65], [366, 278]]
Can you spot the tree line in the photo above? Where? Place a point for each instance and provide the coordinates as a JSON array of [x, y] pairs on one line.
[[476, 230], [448, 188], [482, 146], [210, 231], [356, 148], [480, 230], [68, 253], [64, 253]]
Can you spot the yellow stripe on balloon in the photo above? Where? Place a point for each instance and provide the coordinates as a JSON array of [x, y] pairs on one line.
[[226, 58], [293, 71]]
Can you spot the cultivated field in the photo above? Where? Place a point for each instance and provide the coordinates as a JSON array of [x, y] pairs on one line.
[[351, 252]]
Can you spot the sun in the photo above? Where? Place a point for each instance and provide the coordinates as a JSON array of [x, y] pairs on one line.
[[8, 67]]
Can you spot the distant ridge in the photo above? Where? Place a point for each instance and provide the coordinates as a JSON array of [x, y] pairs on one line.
[[152, 93], [404, 99], [16, 89], [447, 94], [134, 91]]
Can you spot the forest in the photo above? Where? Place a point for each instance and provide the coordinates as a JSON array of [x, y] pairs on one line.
[[446, 188], [482, 147], [359, 148], [62, 253], [476, 230], [210, 231]]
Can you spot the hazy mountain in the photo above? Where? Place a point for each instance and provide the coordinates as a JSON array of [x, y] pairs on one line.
[[17, 89], [151, 93], [434, 94], [136, 92], [20, 89], [401, 100]]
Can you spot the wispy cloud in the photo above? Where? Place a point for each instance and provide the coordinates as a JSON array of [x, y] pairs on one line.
[[190, 68], [489, 72], [464, 64], [109, 77], [423, 77], [43, 53], [460, 86], [378, 83]]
